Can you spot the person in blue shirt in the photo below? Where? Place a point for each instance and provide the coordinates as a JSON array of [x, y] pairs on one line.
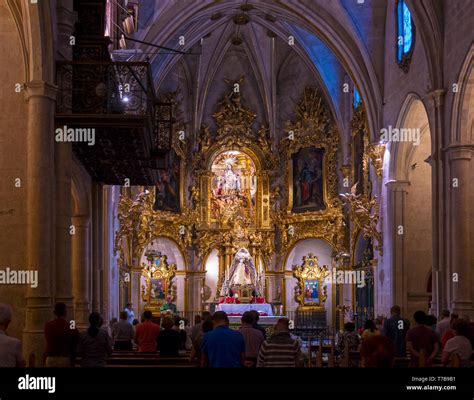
[[222, 347]]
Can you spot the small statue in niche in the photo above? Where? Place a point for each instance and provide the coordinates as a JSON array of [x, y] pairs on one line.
[[194, 196]]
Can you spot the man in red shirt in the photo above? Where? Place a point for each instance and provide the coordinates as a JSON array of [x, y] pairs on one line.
[[146, 334], [61, 339], [422, 338]]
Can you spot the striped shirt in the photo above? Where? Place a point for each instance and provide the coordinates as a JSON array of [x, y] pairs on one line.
[[280, 350]]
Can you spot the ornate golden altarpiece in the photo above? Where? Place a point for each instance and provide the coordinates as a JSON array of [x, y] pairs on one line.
[[195, 227], [232, 230], [158, 277]]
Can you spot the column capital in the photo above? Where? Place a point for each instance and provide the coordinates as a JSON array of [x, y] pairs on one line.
[[40, 89], [394, 185], [459, 151]]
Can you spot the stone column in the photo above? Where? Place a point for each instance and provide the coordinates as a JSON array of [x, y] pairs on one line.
[[97, 249], [460, 275], [81, 269], [397, 191], [39, 184], [438, 189], [63, 161]]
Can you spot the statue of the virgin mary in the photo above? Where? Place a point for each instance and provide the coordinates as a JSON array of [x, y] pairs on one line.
[[242, 270]]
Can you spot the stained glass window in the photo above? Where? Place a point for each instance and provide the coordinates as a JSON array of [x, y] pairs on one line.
[[357, 98], [404, 31]]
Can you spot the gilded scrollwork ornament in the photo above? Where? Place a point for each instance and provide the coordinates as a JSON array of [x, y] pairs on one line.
[[364, 215]]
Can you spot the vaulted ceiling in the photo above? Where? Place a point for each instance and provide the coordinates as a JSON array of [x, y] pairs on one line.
[[228, 39]]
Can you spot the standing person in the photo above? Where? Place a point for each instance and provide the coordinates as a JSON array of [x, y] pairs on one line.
[[61, 340], [95, 344], [207, 326], [146, 335], [421, 338], [169, 339], [280, 350], [350, 337], [11, 354], [449, 333], [130, 314], [444, 323], [196, 331], [222, 347], [370, 329], [169, 306], [396, 328], [256, 317], [253, 339], [123, 333], [459, 344]]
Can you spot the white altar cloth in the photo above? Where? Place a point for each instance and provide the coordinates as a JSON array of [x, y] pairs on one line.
[[241, 308]]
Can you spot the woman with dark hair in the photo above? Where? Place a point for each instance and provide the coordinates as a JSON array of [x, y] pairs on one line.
[[370, 329], [169, 339], [206, 326], [350, 336], [95, 344]]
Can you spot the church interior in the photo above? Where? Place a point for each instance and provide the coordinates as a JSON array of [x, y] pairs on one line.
[[311, 160]]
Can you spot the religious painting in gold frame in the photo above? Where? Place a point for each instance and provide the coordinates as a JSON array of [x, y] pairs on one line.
[[308, 187], [311, 288], [158, 277]]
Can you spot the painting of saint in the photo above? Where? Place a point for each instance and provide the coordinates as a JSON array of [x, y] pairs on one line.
[[157, 291], [167, 188], [311, 293], [308, 183]]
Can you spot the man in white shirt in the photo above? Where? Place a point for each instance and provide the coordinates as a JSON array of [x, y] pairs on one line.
[[444, 324], [130, 313], [123, 333], [459, 345], [11, 354]]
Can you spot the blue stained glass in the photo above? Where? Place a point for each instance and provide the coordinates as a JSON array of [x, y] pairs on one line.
[[357, 98], [405, 30]]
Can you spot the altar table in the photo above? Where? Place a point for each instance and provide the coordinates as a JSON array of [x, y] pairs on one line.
[[239, 309]]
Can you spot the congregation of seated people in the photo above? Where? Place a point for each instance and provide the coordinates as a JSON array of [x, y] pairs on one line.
[[212, 342]]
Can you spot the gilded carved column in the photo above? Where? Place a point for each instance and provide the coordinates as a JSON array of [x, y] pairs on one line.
[[459, 278], [39, 184], [397, 191], [81, 269]]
